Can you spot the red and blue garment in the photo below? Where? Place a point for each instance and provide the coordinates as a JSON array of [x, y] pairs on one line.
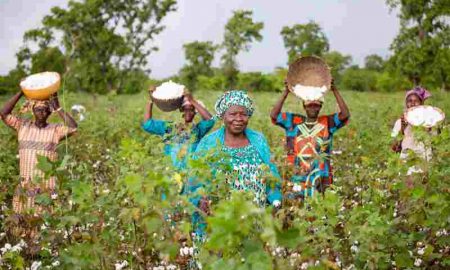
[[309, 150]]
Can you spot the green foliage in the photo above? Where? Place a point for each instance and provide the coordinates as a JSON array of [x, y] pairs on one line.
[[105, 43], [374, 62], [338, 63], [359, 79], [111, 179], [304, 40], [424, 34], [10, 82], [199, 57], [214, 83], [240, 31], [256, 82], [388, 82]]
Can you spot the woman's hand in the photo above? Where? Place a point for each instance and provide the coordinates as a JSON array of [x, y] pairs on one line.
[[404, 124], [397, 146], [188, 95], [333, 86], [151, 89], [54, 102], [204, 205], [287, 88]]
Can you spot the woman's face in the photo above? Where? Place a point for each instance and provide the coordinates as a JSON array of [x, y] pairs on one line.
[[188, 113], [236, 119], [41, 113], [312, 110], [412, 101]]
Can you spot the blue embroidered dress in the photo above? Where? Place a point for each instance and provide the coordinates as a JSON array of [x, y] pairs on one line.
[[244, 173]]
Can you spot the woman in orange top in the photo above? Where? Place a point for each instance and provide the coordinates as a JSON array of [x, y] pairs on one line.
[[35, 138]]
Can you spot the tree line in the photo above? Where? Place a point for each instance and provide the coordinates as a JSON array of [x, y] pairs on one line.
[[103, 46]]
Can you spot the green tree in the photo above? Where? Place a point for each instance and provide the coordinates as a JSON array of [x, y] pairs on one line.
[[424, 33], [304, 40], [240, 31], [48, 59], [359, 79], [338, 63], [105, 42], [199, 57], [374, 62], [10, 82]]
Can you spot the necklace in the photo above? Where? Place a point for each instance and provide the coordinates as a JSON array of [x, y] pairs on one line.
[[311, 123]]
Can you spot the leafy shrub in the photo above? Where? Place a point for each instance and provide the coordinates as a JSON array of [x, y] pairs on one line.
[[388, 82], [214, 83], [357, 79], [257, 82]]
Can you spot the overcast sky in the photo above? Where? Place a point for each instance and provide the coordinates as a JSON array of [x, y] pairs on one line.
[[355, 27]]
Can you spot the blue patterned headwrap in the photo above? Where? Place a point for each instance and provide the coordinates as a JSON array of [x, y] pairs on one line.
[[233, 97]]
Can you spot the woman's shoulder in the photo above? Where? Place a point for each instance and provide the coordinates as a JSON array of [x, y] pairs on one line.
[[213, 136], [254, 135]]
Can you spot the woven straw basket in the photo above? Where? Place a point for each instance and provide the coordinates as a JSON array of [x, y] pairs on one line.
[[309, 71]]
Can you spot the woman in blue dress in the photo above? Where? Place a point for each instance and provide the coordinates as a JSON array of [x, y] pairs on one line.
[[180, 139], [243, 153]]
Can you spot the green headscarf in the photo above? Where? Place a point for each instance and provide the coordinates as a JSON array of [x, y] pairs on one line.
[[233, 97]]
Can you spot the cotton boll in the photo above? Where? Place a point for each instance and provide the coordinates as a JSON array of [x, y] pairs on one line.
[[297, 188]]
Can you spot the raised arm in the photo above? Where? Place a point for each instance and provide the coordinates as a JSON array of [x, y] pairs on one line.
[[344, 113], [67, 118], [204, 113], [10, 104], [279, 105], [149, 106]]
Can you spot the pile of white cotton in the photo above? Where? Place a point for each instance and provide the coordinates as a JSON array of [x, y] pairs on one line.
[[309, 93], [426, 116], [39, 80], [169, 90]]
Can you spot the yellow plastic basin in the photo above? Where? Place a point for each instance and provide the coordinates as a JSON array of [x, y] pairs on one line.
[[43, 91]]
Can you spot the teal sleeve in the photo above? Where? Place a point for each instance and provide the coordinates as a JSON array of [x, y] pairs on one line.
[[158, 127], [204, 127]]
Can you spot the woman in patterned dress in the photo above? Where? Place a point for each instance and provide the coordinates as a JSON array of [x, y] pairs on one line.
[[244, 154], [36, 138], [309, 141]]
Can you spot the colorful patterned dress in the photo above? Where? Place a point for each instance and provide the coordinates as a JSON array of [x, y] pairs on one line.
[[309, 151], [34, 141]]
